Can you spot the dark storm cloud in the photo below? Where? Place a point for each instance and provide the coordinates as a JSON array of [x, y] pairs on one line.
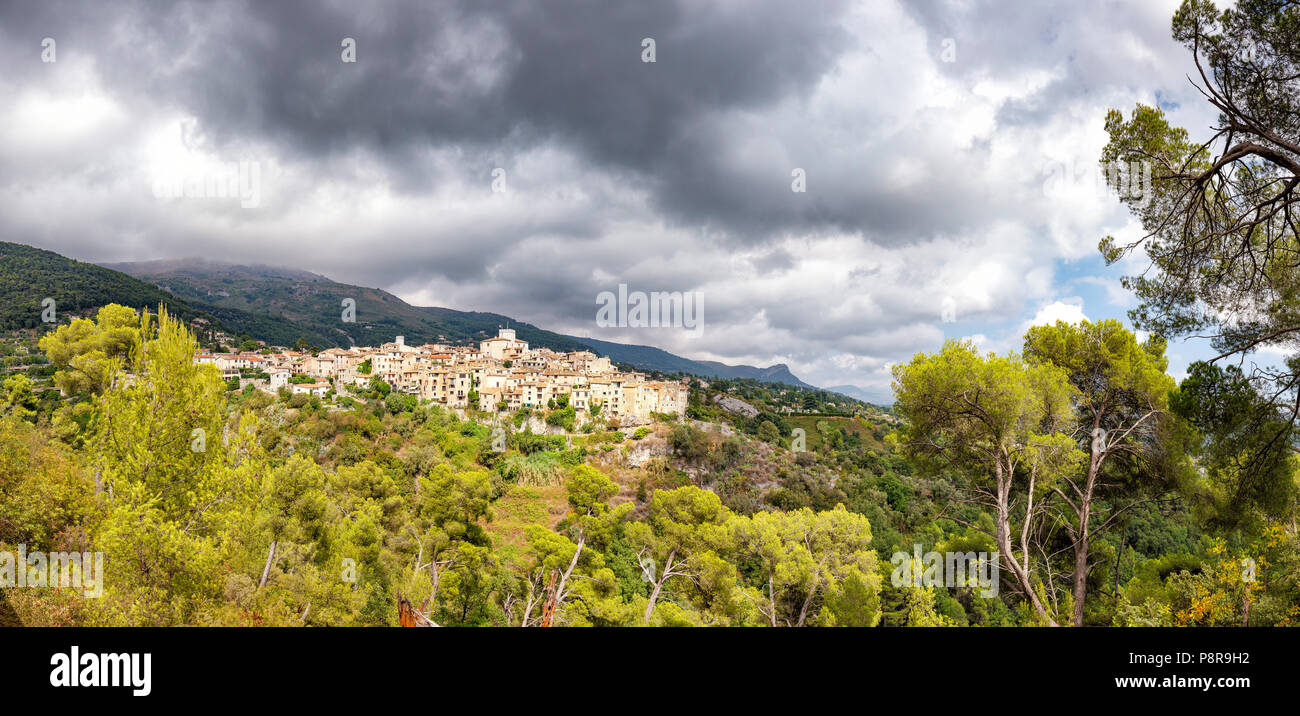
[[494, 79], [490, 78]]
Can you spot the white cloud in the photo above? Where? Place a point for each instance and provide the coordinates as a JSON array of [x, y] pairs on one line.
[[1069, 310]]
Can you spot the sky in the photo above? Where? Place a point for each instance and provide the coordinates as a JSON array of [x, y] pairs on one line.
[[524, 157]]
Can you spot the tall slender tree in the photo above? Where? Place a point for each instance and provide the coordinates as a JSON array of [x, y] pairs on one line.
[[996, 423], [1121, 421]]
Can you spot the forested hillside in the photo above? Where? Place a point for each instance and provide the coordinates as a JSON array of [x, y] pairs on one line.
[[784, 398], [219, 506], [29, 275]]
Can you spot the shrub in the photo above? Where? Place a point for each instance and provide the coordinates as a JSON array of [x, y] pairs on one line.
[[562, 417], [529, 443], [536, 470], [688, 442]]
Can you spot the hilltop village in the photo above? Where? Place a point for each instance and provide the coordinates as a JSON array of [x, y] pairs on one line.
[[502, 374]]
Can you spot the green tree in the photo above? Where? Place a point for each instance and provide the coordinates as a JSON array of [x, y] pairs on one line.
[[173, 486], [291, 501], [918, 605], [993, 421], [17, 398], [682, 525], [1121, 420], [1218, 211], [85, 351], [451, 511], [44, 490], [815, 567], [400, 402], [558, 555], [1250, 470], [689, 442]]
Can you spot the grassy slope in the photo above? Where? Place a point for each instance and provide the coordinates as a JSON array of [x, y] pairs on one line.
[[858, 426]]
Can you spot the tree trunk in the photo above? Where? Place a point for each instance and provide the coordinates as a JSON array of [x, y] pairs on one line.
[[658, 586], [1081, 546], [532, 601], [1080, 576], [771, 598], [1019, 571], [266, 571], [548, 609], [564, 578], [1083, 538], [803, 611], [654, 596]]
